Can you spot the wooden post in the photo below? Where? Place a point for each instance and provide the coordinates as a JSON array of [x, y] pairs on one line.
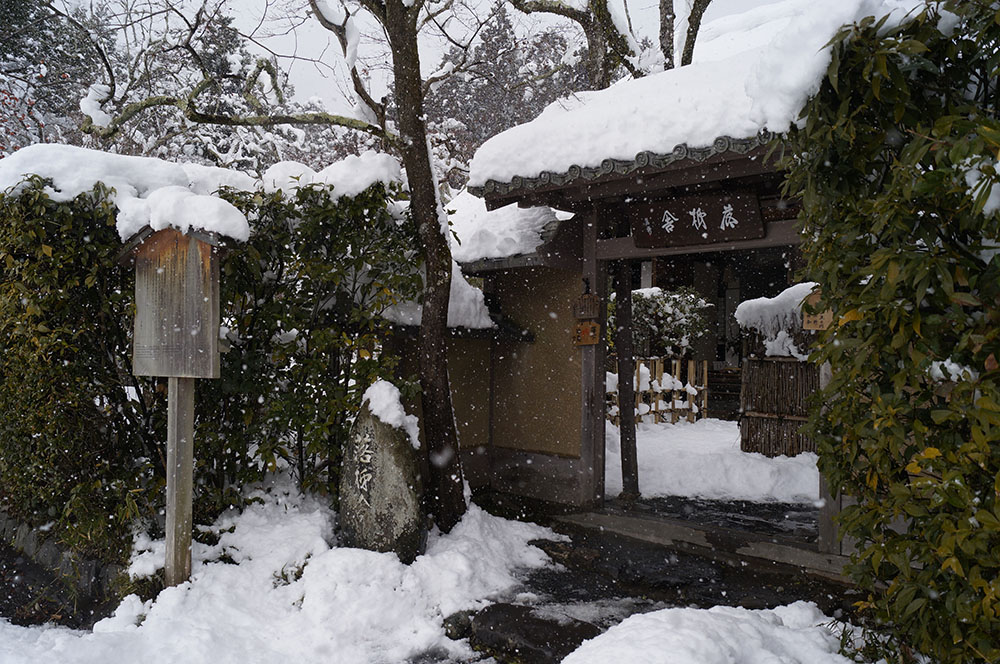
[[180, 477], [676, 366], [627, 366], [704, 387], [692, 380], [592, 376], [176, 335], [656, 373]]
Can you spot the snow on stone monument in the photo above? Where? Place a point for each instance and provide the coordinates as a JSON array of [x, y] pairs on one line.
[[380, 479]]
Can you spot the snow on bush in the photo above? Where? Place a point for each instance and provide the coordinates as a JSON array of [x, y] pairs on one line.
[[792, 634], [186, 201], [770, 315], [274, 589], [164, 194], [777, 319], [349, 176], [664, 322]]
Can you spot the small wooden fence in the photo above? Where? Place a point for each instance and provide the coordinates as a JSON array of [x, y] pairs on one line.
[[666, 391], [774, 403]]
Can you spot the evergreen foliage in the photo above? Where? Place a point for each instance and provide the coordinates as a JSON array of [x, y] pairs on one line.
[[895, 163], [664, 323], [504, 80], [47, 60], [81, 438]]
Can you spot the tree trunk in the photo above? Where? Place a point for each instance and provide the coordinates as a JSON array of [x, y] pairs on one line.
[[599, 67], [626, 369], [445, 499], [667, 17], [694, 24]]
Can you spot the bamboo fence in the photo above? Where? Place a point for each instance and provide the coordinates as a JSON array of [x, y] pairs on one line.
[[667, 389], [774, 404]]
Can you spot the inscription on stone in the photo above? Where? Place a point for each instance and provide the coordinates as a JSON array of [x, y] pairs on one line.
[[364, 473], [381, 490]]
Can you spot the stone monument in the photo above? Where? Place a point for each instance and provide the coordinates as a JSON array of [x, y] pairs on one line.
[[381, 490]]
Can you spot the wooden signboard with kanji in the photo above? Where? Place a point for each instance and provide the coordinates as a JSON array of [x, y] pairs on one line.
[[693, 220], [820, 321]]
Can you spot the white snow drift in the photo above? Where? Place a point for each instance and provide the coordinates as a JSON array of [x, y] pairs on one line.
[[290, 596]]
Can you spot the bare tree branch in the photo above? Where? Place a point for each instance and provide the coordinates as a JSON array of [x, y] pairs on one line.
[[93, 42], [340, 32], [190, 111], [553, 7]]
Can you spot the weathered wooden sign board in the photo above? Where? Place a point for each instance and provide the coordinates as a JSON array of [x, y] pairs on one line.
[[177, 306], [586, 333], [819, 321], [177, 336], [691, 220]]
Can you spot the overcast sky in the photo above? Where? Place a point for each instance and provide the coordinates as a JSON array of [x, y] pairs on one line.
[[285, 28]]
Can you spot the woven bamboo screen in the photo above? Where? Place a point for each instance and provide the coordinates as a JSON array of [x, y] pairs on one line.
[[773, 400]]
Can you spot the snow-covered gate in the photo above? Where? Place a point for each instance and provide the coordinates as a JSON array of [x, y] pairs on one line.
[[702, 207]]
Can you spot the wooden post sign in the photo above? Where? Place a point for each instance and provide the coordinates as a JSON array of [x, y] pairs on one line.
[[177, 336]]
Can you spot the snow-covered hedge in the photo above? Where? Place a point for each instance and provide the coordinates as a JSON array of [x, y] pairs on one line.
[[302, 298], [664, 323]]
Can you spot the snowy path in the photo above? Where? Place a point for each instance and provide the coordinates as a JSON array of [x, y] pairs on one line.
[[703, 460]]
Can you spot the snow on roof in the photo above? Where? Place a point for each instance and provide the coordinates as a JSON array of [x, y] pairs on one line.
[[466, 306], [759, 81], [501, 233], [147, 191], [770, 315]]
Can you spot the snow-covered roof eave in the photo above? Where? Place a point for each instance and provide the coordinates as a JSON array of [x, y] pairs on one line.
[[723, 102], [484, 265], [682, 155]]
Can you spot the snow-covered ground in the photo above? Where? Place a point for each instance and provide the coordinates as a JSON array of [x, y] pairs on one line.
[[274, 590], [703, 460], [793, 634]]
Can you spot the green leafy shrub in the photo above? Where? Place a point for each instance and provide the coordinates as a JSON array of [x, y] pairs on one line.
[[895, 163], [81, 438], [78, 441], [664, 323], [302, 304]]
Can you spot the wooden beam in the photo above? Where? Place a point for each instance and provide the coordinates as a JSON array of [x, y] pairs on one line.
[[750, 168], [180, 478], [592, 375], [778, 233]]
